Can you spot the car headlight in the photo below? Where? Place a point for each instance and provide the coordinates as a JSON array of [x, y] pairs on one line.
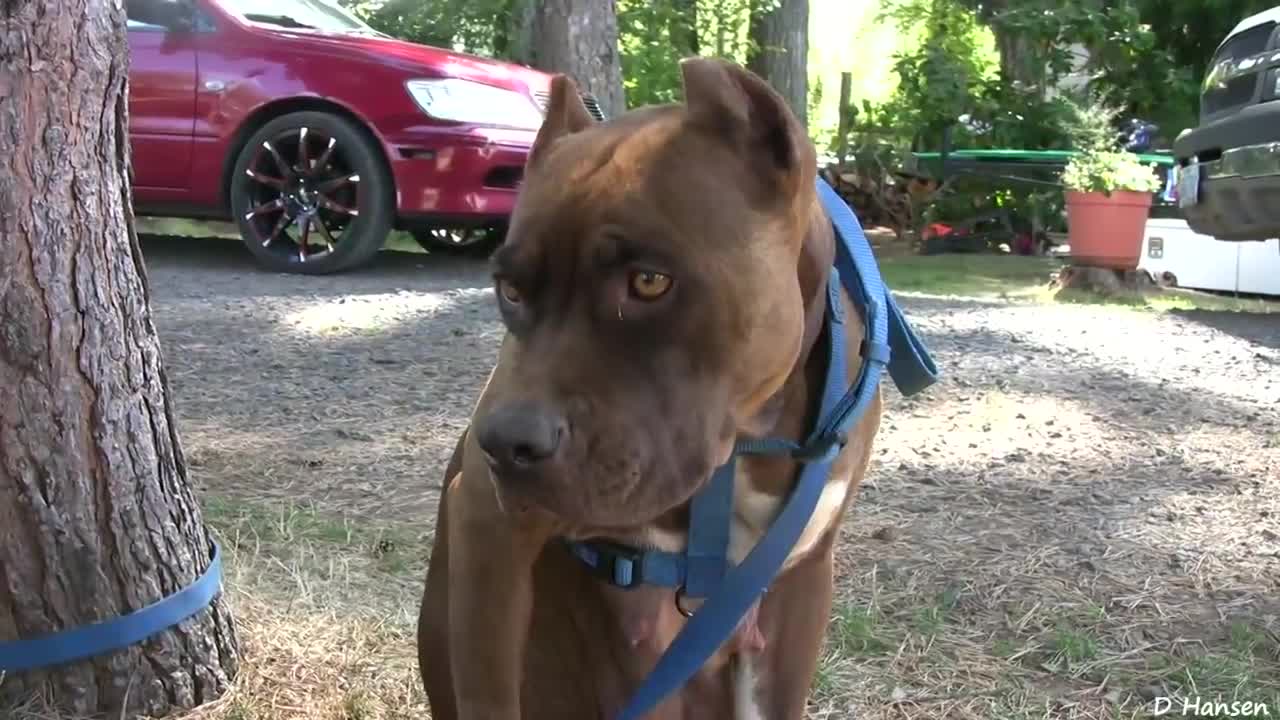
[[472, 102]]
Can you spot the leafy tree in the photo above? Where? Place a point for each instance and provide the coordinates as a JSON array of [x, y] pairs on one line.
[[939, 76], [653, 36], [475, 26], [1125, 58], [1187, 33]]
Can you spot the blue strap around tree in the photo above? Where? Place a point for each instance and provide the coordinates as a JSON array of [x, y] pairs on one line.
[[87, 641], [732, 590]]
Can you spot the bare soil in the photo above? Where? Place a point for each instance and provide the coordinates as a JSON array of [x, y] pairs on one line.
[[1083, 515]]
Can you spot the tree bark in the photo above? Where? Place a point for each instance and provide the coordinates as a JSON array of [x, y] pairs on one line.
[[684, 27], [1021, 61], [780, 40], [520, 21], [580, 38], [97, 517]]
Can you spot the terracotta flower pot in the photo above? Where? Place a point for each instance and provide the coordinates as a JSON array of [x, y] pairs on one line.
[[1107, 231]]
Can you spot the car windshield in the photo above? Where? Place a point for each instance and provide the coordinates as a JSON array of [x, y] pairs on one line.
[[299, 15]]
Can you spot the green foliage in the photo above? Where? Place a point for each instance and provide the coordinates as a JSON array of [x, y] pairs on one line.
[[655, 34], [474, 26], [941, 74], [1090, 126], [649, 53], [1187, 32], [1149, 54], [1100, 165], [1152, 53], [1108, 172], [1128, 61]]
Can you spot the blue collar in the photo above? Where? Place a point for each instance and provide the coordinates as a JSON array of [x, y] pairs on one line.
[[703, 569]]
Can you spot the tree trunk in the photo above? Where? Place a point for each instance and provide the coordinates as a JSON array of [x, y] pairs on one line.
[[684, 27], [1020, 60], [97, 517], [580, 38], [779, 53], [521, 20]]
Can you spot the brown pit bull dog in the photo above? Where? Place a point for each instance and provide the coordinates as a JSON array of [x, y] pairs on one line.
[[664, 286]]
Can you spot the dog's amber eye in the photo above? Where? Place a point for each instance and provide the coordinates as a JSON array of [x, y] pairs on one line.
[[509, 292], [649, 285]]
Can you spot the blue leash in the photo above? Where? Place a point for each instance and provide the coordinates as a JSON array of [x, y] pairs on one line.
[[117, 633], [703, 569]]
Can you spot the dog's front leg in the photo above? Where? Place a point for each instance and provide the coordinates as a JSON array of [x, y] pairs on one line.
[[490, 596]]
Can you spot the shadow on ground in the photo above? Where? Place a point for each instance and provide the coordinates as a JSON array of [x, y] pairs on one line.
[[1259, 329], [233, 267]]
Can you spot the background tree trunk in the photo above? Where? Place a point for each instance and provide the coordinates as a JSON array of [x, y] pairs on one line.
[[1020, 60], [97, 517], [580, 38], [684, 27], [520, 20], [780, 52]]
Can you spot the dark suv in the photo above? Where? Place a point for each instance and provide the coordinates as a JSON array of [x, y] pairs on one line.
[[1229, 166]]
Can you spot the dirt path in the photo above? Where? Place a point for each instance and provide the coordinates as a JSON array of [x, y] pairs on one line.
[[1085, 513]]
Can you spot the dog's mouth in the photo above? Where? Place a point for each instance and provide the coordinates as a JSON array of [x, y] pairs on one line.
[[591, 468], [599, 506]]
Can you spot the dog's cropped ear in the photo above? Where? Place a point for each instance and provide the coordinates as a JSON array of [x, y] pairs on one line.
[[566, 114], [739, 106]]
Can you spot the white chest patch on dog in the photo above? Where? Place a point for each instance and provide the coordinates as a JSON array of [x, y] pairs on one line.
[[745, 704], [754, 511], [665, 540]]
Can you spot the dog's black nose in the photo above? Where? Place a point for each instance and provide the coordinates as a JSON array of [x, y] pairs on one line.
[[520, 437]]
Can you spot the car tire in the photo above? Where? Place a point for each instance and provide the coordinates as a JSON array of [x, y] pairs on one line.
[[311, 194], [463, 241]]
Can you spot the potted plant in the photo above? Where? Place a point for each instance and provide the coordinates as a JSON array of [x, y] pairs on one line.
[[1108, 193]]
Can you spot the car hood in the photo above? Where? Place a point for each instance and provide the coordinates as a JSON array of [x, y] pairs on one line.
[[425, 60]]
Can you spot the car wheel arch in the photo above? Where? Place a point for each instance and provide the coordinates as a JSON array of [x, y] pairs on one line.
[[280, 107]]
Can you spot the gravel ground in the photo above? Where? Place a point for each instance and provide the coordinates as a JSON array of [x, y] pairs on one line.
[[1085, 505]]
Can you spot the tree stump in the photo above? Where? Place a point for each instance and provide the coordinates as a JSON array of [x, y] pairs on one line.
[[97, 515], [1105, 282]]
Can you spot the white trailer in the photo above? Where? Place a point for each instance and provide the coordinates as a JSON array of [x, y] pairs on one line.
[[1202, 262]]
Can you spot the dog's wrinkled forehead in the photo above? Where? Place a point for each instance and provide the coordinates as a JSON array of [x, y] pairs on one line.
[[725, 168], [643, 173]]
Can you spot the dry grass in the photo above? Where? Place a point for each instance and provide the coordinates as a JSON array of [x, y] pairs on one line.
[[326, 610], [1017, 639], [953, 625]]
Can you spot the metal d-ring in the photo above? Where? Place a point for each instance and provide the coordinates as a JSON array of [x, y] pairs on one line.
[[680, 606]]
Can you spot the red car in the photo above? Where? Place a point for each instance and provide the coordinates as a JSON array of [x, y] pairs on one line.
[[318, 135]]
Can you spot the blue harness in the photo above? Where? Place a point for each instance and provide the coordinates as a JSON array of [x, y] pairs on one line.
[[703, 569]]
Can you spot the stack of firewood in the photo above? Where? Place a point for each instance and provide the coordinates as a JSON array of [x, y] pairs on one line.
[[877, 202]]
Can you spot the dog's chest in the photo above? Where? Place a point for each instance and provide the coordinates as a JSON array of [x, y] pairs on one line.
[[649, 619], [756, 505]]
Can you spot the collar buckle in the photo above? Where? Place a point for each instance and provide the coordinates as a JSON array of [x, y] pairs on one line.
[[616, 564]]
